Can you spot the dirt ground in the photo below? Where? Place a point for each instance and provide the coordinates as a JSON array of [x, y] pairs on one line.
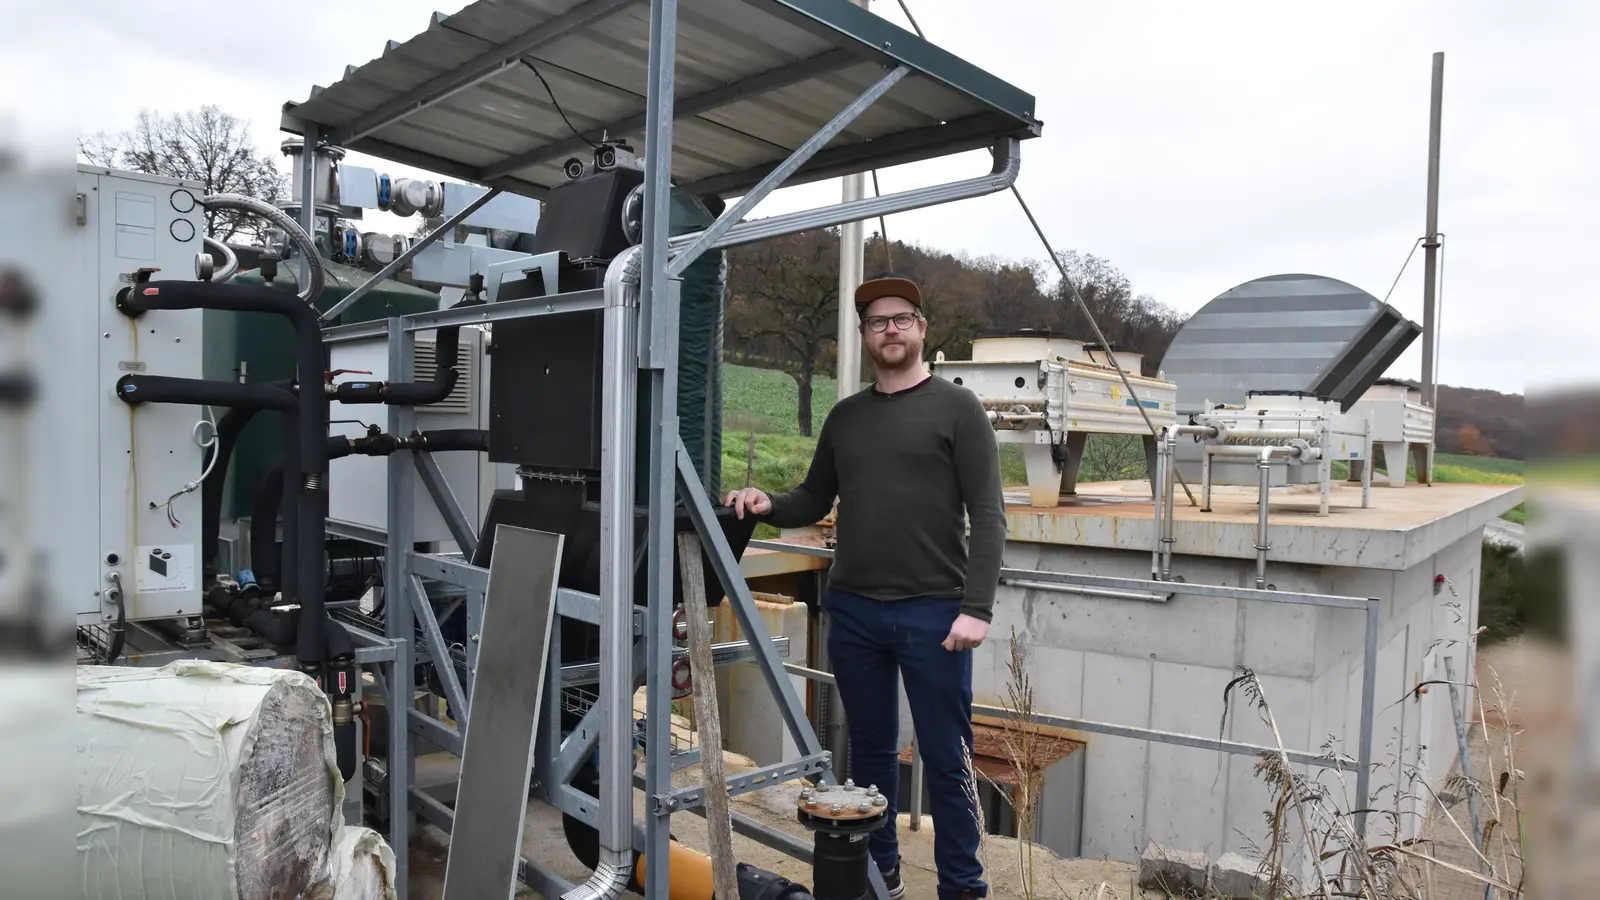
[[544, 842]]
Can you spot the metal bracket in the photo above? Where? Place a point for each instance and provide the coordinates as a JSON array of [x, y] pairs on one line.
[[756, 779], [548, 265]]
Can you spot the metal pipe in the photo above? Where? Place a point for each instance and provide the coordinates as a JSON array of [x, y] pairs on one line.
[[617, 442], [1160, 494], [230, 261], [1265, 467], [1430, 243], [1007, 165], [400, 261], [311, 286], [1369, 690], [1169, 523]]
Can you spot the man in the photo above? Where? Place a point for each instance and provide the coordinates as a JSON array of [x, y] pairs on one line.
[[910, 460]]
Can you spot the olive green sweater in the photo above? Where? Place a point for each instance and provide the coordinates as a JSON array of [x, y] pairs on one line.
[[909, 470]]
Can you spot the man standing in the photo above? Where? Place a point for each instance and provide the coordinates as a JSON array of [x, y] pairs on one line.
[[910, 460]]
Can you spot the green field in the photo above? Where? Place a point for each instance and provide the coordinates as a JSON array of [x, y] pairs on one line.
[[766, 401]]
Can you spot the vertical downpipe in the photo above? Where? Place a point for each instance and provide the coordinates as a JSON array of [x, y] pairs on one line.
[[1160, 498], [1264, 465], [1170, 439]]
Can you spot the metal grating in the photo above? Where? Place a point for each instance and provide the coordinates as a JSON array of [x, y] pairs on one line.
[[424, 364], [1285, 333], [753, 80]]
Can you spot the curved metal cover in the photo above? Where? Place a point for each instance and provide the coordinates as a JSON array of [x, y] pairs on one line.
[[1292, 332]]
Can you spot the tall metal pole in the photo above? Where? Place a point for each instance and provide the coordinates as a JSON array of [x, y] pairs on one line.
[[852, 264], [1430, 244], [1430, 259]]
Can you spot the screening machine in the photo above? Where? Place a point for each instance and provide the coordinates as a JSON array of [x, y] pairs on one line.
[[1047, 394]]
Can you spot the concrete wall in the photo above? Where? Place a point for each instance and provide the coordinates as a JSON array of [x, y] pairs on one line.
[[1165, 665]]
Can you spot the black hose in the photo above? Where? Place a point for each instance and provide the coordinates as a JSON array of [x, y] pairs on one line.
[[446, 353], [135, 389], [469, 439], [312, 468]]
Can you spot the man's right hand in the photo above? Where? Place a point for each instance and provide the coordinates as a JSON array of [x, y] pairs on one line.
[[752, 499]]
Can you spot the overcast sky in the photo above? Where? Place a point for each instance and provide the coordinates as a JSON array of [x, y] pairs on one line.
[[1194, 145]]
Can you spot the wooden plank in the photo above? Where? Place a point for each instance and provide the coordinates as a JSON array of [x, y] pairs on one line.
[[508, 689], [713, 773]]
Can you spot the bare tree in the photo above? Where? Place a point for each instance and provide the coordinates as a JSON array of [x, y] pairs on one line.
[[207, 145], [782, 307]]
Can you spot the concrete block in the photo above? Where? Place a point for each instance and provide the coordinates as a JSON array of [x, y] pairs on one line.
[[1172, 871], [1239, 877]]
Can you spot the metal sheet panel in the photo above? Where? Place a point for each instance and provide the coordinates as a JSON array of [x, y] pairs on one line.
[[454, 100], [497, 748], [1292, 332]]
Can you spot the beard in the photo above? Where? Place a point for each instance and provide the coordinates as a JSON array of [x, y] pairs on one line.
[[899, 356]]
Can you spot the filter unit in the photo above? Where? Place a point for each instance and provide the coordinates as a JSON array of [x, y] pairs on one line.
[[1401, 427], [1044, 394]]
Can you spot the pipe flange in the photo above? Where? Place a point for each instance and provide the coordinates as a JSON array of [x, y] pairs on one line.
[[1221, 437], [1303, 451]]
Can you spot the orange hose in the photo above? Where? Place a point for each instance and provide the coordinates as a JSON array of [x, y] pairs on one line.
[[688, 873]]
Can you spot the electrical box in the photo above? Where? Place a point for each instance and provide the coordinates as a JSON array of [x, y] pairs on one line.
[[132, 546]]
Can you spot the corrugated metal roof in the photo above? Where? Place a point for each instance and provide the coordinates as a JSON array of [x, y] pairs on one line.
[[753, 80]]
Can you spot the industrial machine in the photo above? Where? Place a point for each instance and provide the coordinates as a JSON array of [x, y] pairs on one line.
[[325, 488], [1287, 419], [1047, 394], [1402, 429]]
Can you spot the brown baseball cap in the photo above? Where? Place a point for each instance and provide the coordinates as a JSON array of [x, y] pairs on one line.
[[887, 285]]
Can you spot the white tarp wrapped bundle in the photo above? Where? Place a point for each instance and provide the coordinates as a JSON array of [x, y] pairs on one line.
[[363, 866], [204, 780]]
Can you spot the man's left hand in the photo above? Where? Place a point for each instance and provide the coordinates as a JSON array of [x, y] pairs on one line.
[[967, 633]]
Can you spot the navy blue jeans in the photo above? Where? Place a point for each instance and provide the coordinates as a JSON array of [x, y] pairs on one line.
[[871, 644]]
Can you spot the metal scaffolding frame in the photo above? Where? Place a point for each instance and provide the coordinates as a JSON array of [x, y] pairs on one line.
[[640, 308]]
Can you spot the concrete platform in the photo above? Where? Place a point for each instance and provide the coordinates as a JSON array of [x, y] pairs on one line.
[[1401, 528]]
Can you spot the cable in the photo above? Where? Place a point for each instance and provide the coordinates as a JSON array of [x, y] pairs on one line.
[[1402, 269], [883, 227], [557, 104], [191, 487], [1077, 297]]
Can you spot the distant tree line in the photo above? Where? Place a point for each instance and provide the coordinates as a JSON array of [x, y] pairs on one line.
[[1480, 423], [782, 303]]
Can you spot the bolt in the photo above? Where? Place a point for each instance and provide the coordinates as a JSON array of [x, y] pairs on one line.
[[864, 806], [836, 808], [849, 784], [811, 803], [879, 800]]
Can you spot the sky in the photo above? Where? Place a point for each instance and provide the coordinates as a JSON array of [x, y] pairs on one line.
[[1195, 146]]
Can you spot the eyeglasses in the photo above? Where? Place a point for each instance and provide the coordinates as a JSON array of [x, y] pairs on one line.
[[902, 322]]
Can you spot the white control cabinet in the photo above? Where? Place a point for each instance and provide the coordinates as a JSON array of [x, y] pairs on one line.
[[116, 480]]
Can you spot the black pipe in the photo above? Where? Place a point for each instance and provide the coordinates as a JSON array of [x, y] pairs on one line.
[[312, 471], [470, 439], [135, 389], [446, 352], [338, 682]]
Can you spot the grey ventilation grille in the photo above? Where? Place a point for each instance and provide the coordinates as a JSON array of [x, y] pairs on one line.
[[424, 363]]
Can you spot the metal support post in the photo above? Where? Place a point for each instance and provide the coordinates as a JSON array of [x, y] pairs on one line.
[[444, 498], [398, 624], [657, 297], [437, 651], [1458, 712], [775, 179], [1369, 688], [399, 262], [308, 200]]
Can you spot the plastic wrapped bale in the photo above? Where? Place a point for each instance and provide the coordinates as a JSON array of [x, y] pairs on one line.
[[203, 779], [363, 866]]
